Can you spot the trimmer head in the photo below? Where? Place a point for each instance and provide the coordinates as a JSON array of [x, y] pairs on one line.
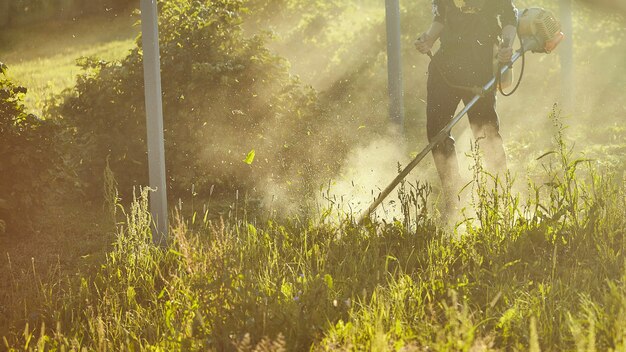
[[540, 30]]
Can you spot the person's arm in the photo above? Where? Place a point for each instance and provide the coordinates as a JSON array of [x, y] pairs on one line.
[[508, 35], [427, 39], [508, 19]]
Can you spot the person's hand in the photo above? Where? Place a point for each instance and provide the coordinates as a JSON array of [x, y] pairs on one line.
[[505, 54], [424, 43]]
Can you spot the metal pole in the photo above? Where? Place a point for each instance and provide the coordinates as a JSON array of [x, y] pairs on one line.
[[436, 140], [394, 63], [154, 118], [566, 56]]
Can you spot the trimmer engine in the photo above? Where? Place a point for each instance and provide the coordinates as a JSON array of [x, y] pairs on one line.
[[540, 30]]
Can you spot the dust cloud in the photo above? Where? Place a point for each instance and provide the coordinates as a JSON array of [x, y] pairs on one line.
[[595, 120], [367, 170]]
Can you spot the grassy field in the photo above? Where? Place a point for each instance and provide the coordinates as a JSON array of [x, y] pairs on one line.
[[43, 57], [523, 274]]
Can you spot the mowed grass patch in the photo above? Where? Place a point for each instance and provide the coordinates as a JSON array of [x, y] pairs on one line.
[[43, 57]]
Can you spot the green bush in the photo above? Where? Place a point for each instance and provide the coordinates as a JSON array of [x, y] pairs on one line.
[[224, 95], [27, 158]]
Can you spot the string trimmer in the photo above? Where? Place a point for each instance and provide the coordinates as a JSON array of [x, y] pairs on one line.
[[540, 32]]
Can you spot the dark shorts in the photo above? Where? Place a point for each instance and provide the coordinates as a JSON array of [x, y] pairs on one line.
[[442, 102]]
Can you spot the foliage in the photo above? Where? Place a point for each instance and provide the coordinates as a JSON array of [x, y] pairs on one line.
[[299, 22], [304, 13], [27, 153], [224, 94]]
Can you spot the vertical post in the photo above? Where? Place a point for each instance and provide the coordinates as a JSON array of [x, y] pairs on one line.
[[394, 62], [154, 118], [566, 56]]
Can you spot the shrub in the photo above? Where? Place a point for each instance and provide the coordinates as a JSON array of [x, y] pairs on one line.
[[224, 95], [27, 157]]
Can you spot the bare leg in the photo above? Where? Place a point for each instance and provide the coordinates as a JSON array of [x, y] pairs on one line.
[[441, 104], [486, 129]]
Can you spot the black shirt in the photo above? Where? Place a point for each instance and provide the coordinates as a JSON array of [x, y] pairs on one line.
[[469, 35]]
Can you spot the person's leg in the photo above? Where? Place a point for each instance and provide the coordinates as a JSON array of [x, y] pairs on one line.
[[485, 125], [441, 104]]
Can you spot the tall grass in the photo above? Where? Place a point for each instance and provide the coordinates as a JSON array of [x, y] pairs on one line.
[[542, 273]]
